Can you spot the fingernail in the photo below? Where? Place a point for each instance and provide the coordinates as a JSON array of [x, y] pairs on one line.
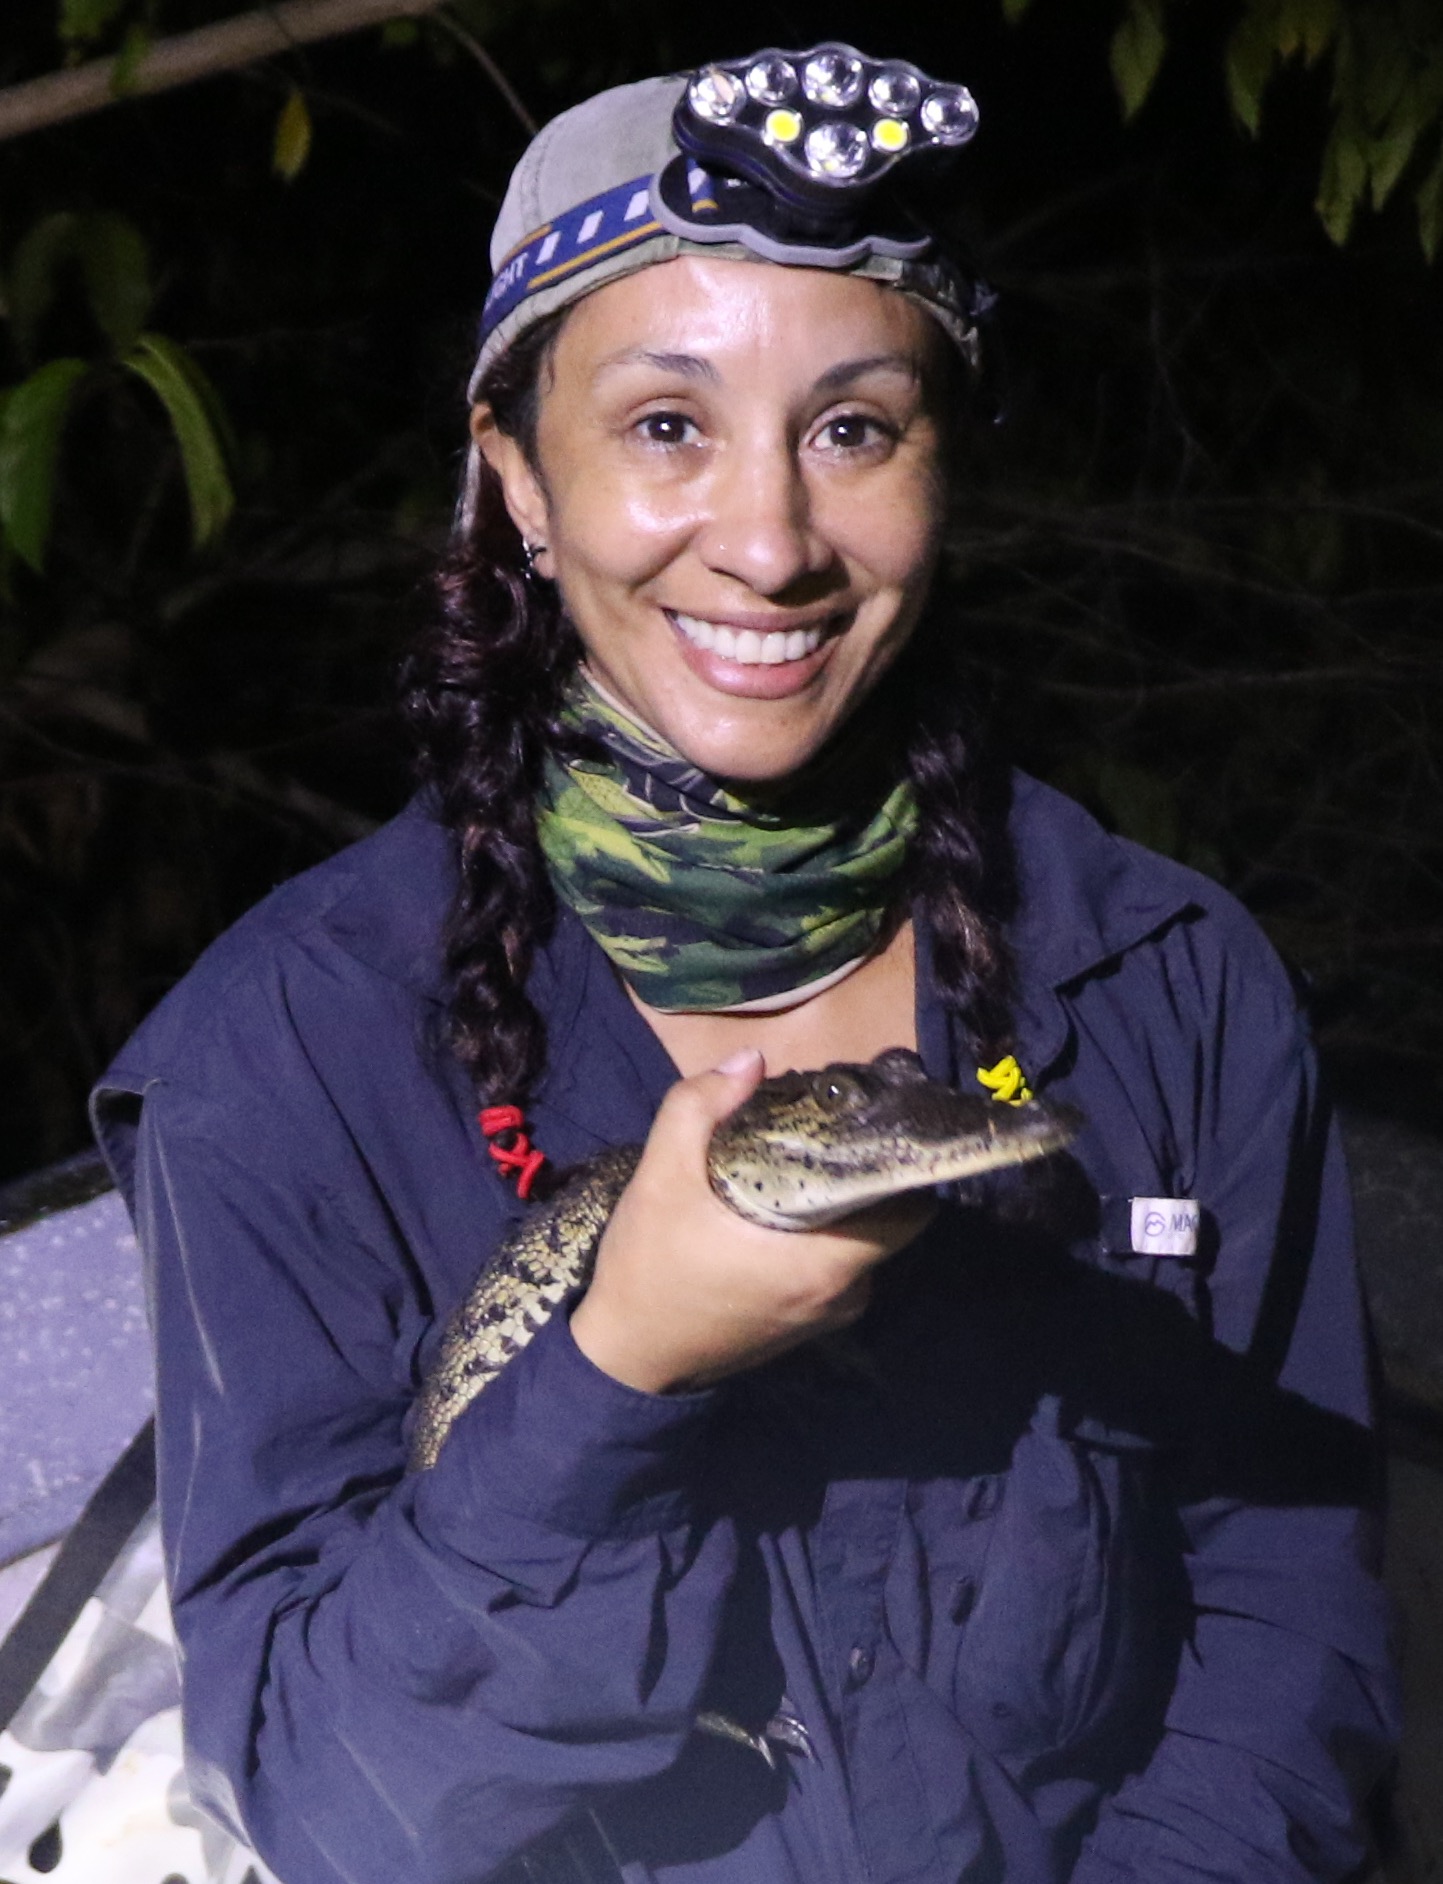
[[741, 1061]]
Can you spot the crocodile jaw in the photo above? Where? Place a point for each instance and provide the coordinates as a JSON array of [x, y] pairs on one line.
[[791, 1184]]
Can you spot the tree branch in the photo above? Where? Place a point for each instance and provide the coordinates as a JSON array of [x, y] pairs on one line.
[[489, 66], [195, 55]]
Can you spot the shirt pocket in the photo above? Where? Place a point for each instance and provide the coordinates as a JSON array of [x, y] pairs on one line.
[[1067, 1641]]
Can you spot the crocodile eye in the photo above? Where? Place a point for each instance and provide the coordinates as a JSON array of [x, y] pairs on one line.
[[842, 1089]]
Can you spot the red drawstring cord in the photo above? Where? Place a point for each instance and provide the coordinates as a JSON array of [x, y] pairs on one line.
[[519, 1156]]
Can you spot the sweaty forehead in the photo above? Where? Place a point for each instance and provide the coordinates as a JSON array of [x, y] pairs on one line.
[[713, 312]]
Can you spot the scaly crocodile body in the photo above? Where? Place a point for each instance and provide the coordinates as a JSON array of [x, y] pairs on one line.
[[806, 1149]]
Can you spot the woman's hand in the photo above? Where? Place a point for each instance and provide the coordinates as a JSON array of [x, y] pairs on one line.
[[686, 1292]]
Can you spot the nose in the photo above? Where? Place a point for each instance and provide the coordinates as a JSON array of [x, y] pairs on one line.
[[760, 527]]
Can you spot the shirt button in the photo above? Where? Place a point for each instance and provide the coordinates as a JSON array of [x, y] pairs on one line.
[[860, 1664]]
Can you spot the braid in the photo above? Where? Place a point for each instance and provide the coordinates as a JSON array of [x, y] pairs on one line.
[[960, 861], [482, 694]]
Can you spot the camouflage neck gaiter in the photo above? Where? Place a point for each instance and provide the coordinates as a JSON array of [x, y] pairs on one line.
[[704, 900]]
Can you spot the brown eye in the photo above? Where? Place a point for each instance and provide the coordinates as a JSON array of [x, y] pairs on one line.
[[853, 431], [666, 428]]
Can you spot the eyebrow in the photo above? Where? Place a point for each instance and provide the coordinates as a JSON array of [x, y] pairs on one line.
[[688, 365], [847, 372], [835, 379]]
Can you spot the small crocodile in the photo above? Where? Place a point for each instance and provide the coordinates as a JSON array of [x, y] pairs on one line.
[[805, 1150]]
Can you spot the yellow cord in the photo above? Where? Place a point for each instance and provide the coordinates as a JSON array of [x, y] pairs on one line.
[[1006, 1081]]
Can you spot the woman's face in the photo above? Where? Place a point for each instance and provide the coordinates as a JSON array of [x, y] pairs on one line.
[[739, 484]]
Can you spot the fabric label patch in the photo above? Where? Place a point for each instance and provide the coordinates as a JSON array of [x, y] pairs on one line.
[[1165, 1226]]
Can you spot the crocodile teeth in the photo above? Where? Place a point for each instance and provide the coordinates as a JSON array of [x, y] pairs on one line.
[[746, 646]]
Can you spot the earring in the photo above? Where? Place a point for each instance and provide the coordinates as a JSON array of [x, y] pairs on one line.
[[530, 551]]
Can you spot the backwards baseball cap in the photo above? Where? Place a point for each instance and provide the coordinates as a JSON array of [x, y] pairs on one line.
[[808, 159]]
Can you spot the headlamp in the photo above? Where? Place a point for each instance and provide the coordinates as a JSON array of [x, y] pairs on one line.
[[785, 151], [804, 158]]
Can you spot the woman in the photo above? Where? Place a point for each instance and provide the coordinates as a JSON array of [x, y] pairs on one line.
[[1069, 1574]]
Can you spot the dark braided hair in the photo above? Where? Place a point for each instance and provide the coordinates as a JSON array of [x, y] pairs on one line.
[[482, 694], [959, 865]]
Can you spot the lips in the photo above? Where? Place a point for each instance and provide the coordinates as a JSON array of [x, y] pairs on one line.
[[749, 647]]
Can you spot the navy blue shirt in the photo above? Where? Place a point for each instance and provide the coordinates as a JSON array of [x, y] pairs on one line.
[[1073, 1577]]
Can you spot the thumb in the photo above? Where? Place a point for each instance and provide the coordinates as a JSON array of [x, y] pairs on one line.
[[698, 1104], [736, 1078]]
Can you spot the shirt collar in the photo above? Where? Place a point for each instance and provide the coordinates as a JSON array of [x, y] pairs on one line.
[[1084, 898]]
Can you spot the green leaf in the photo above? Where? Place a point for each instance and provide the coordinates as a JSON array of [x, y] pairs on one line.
[[1389, 154], [1013, 10], [1252, 53], [1320, 26], [293, 138], [1136, 54], [113, 263], [133, 48], [1344, 179], [1306, 26], [34, 267], [176, 381], [117, 275], [1384, 74], [84, 20], [30, 433], [1430, 210], [203, 386]]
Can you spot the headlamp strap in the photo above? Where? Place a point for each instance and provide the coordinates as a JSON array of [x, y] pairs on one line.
[[607, 224]]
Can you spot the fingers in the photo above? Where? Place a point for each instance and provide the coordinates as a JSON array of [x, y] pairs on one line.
[[741, 1064], [850, 1305], [710, 1096], [694, 1107], [685, 1290]]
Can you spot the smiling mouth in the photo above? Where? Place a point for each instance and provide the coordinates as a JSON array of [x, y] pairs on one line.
[[749, 647]]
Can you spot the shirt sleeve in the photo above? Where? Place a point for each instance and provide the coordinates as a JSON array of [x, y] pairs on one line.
[[1284, 1710], [396, 1676]]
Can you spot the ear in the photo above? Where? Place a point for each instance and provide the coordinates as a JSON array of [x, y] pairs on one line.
[[520, 486]]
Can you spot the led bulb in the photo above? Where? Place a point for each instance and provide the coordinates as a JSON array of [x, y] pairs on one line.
[[771, 81], [782, 127], [951, 115], [836, 150], [890, 136], [895, 92], [716, 95], [833, 78]]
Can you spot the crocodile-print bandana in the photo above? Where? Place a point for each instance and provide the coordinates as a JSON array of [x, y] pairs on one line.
[[704, 900]]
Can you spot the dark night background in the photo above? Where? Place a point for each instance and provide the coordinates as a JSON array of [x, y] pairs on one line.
[[1199, 565]]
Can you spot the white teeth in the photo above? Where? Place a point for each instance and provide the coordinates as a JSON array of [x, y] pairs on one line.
[[746, 646]]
